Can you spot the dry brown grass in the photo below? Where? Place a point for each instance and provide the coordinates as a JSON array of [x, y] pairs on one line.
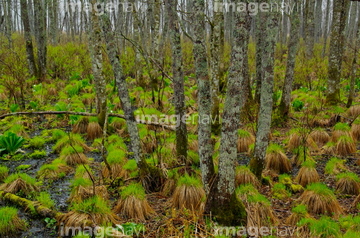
[[320, 137], [258, 207], [245, 176], [81, 126], [307, 175], [82, 220], [296, 140], [338, 133], [320, 200], [19, 185], [116, 171], [354, 111], [93, 131], [81, 193], [355, 131], [168, 187], [189, 197], [134, 208], [277, 161], [75, 159], [345, 146], [54, 174], [244, 141], [149, 143], [348, 183], [11, 224]]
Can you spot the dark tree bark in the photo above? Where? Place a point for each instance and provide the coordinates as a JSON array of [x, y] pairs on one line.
[[28, 39], [40, 36], [337, 44], [285, 102], [178, 79]]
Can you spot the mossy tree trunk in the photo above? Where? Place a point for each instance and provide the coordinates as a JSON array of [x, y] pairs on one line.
[[285, 102], [40, 36], [309, 27], [204, 96], [266, 97], [259, 30], [28, 38], [216, 52], [178, 79], [95, 46], [337, 44], [222, 201], [355, 65]]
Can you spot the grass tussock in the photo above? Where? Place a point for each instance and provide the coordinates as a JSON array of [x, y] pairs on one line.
[[245, 139], [348, 183], [345, 146], [340, 129], [19, 182], [335, 166], [73, 155], [320, 136], [276, 160], [355, 131], [93, 130], [307, 174], [244, 176], [319, 199], [81, 126], [55, 170], [133, 203], [10, 222], [189, 194], [353, 111], [91, 212], [4, 172], [258, 207], [116, 160], [297, 213]]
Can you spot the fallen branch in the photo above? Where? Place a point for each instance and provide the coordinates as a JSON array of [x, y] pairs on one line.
[[164, 126], [25, 203]]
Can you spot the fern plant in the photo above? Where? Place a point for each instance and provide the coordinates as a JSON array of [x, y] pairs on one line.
[[10, 143]]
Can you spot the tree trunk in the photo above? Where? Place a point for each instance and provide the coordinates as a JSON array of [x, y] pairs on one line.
[[40, 36], [95, 46], [204, 96], [259, 54], [178, 80], [28, 39], [337, 44], [285, 102], [309, 27], [266, 98], [354, 67], [222, 201], [216, 52]]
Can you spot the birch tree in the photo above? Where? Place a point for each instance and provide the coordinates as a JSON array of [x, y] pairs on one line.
[[222, 201], [337, 43], [266, 96]]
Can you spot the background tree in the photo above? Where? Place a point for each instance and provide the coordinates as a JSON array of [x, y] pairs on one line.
[[337, 44], [178, 80]]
